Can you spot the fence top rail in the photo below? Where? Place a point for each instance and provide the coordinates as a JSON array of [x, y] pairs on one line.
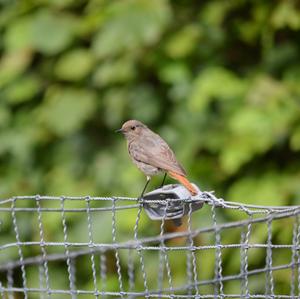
[[206, 197]]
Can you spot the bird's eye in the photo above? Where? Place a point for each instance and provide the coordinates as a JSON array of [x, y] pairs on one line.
[[133, 128]]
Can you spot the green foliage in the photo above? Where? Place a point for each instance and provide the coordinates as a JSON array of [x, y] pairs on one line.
[[77, 104], [74, 65], [219, 80], [129, 26]]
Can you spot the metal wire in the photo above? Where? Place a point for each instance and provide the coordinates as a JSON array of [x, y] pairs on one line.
[[131, 256]]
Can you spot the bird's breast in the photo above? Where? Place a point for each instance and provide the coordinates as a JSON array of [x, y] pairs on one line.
[[147, 169]]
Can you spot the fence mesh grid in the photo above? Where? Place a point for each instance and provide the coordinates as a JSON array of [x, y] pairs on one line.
[[105, 248]]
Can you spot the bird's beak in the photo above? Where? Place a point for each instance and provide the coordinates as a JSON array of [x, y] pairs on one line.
[[119, 131]]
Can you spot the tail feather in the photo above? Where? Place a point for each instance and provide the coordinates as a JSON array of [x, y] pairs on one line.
[[184, 181]]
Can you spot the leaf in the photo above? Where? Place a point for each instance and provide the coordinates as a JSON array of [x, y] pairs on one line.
[[286, 14], [238, 151], [18, 142], [295, 139], [43, 31], [143, 103], [23, 89], [204, 87], [278, 57], [112, 72], [12, 65], [18, 35], [62, 3], [265, 189], [65, 110], [114, 105], [263, 120], [52, 33], [214, 12], [184, 42], [131, 24], [5, 116], [74, 65], [61, 179], [174, 72], [179, 76], [291, 79]]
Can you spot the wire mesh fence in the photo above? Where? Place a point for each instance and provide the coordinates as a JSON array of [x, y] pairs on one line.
[[107, 247]]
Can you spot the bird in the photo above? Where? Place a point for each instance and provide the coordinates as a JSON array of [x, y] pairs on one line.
[[152, 155]]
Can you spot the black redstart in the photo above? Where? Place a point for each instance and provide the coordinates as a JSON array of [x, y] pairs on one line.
[[152, 155]]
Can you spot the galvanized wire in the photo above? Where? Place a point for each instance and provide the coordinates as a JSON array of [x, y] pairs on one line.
[[131, 261]]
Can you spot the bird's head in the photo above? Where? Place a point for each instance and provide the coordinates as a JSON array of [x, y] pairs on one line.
[[132, 129]]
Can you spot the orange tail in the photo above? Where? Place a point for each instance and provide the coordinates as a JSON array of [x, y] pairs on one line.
[[184, 181]]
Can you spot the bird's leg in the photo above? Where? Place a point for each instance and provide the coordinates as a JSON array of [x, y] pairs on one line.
[[163, 181], [148, 180]]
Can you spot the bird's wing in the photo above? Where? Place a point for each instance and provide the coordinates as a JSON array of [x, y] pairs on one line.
[[153, 150]]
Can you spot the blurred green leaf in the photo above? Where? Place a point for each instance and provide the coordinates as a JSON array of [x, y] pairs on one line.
[[114, 102], [66, 110], [174, 72], [182, 43], [214, 12], [131, 24], [264, 120], [18, 35], [74, 65], [280, 56], [204, 89], [238, 151], [143, 103], [46, 31], [5, 116], [292, 78], [17, 142], [23, 90], [61, 3], [295, 139], [12, 65], [286, 14], [61, 180], [267, 189], [52, 32], [110, 72]]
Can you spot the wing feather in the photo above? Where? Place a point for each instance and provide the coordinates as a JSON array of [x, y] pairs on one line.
[[153, 150]]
